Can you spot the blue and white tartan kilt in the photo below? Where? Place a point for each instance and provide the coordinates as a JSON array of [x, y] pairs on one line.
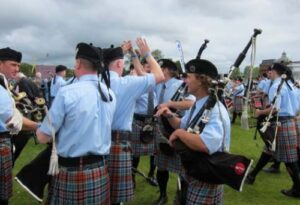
[[286, 142], [5, 169], [297, 122], [139, 148], [238, 104], [203, 193], [120, 172], [88, 184], [164, 162]]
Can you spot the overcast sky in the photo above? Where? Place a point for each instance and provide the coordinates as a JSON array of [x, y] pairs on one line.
[[48, 30]]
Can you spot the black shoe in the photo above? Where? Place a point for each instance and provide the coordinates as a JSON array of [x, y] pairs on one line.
[[163, 199], [152, 181], [250, 179], [291, 193], [272, 170]]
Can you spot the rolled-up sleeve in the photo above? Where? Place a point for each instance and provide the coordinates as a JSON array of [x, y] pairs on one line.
[[55, 115]]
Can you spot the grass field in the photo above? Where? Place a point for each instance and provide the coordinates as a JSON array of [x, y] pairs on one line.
[[265, 191]]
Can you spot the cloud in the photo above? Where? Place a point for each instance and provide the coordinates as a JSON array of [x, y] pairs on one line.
[[49, 30]]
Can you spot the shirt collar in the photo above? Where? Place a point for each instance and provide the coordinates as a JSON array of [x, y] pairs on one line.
[[169, 82], [89, 77], [201, 101], [113, 74]]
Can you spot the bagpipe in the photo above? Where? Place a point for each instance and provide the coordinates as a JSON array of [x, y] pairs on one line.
[[33, 110], [218, 168], [166, 129], [238, 62], [265, 123]]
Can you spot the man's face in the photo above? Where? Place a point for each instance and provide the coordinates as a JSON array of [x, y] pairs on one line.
[[193, 83], [9, 68]]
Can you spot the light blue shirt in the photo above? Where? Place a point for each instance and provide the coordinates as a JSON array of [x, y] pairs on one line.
[[239, 90], [141, 106], [285, 100], [59, 82], [215, 130], [171, 87], [6, 108], [297, 91], [82, 120], [127, 90], [262, 84], [267, 86]]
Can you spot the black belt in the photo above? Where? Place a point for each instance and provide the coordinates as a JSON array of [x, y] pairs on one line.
[[79, 161], [4, 135], [142, 118], [118, 135], [284, 118]]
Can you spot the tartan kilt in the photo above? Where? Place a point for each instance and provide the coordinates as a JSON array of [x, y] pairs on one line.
[[139, 148], [80, 185], [5, 169], [204, 193], [286, 142], [120, 172], [238, 104], [297, 122], [265, 101], [164, 162]]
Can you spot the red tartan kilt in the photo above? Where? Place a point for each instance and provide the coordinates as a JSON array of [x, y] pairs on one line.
[[256, 103], [139, 148], [229, 103], [80, 185], [120, 172], [203, 193], [297, 122], [164, 162], [286, 142], [238, 104], [5, 169]]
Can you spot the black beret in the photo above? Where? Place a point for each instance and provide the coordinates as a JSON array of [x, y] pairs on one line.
[[280, 68], [60, 68], [201, 66], [111, 54], [166, 63], [10, 54], [89, 52]]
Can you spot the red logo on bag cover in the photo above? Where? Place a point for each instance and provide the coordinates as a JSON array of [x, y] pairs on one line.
[[239, 168]]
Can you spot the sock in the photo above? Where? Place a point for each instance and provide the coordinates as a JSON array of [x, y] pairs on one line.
[[162, 179], [135, 161], [263, 160], [3, 202], [293, 171], [276, 165], [233, 117], [152, 167]]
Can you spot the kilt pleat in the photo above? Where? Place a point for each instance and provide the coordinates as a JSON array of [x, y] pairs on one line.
[[286, 142], [139, 148], [297, 122], [80, 185], [238, 104], [204, 193], [5, 169], [120, 172], [164, 162]]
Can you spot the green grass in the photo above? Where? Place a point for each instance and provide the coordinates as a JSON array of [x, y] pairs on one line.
[[265, 191]]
